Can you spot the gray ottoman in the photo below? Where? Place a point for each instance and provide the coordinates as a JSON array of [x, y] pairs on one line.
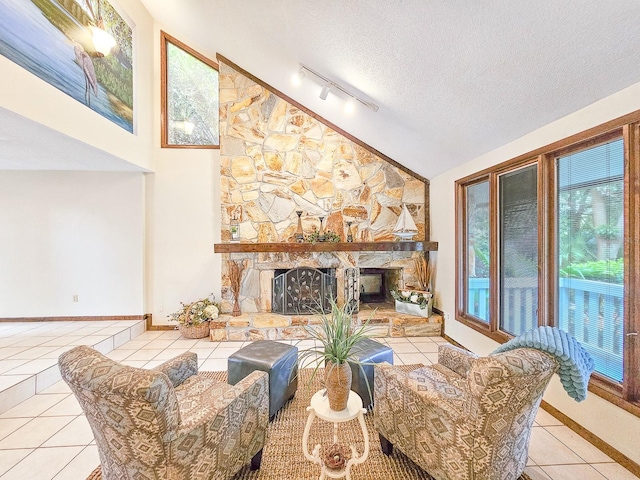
[[279, 360], [368, 351]]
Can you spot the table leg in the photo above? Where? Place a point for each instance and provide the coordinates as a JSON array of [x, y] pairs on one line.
[[315, 455]]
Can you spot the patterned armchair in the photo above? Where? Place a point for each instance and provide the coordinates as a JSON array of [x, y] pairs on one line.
[[168, 423], [466, 417]]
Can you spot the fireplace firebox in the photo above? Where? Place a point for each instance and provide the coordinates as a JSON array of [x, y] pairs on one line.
[[376, 284]]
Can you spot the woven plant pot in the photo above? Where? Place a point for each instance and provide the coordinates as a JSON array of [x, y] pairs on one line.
[[194, 331], [337, 380]]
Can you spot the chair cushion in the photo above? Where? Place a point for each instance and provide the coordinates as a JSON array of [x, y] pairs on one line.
[[197, 395]]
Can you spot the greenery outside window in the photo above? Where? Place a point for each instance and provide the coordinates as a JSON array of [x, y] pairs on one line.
[[590, 227], [561, 247], [190, 104], [477, 255]]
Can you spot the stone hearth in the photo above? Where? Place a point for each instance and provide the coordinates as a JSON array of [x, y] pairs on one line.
[[385, 322]]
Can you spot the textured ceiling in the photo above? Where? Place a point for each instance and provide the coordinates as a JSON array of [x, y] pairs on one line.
[[453, 79]]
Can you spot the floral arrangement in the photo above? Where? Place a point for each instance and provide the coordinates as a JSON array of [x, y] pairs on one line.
[[411, 296], [329, 236], [196, 313]]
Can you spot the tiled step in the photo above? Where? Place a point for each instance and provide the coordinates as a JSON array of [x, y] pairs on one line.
[[29, 352]]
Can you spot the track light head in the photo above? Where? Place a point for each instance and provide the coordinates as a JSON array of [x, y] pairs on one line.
[[325, 91], [296, 78]]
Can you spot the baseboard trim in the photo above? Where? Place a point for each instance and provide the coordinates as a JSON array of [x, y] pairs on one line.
[[95, 318], [593, 439], [154, 328], [453, 342]]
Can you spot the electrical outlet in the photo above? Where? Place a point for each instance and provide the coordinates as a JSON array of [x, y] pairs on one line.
[[447, 316], [75, 298]]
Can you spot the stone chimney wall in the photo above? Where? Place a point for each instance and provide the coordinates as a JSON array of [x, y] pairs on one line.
[[276, 159]]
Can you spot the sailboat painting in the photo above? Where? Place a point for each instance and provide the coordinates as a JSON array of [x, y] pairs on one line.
[[405, 227]]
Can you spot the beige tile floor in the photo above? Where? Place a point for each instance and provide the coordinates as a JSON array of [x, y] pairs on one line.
[[46, 437]]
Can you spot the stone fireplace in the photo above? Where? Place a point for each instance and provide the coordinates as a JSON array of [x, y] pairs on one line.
[[276, 159]]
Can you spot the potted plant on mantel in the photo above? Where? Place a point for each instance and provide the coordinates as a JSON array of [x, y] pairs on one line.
[[193, 318], [336, 336]]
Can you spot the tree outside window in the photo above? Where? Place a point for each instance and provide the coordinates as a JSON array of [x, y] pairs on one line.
[[190, 97]]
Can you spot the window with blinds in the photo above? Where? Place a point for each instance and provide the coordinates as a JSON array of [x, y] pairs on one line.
[[518, 214], [590, 233]]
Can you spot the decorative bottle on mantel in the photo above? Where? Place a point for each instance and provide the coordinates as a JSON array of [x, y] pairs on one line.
[[349, 232], [299, 231], [321, 235]]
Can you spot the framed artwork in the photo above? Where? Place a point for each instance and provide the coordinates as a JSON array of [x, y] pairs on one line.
[[83, 48], [190, 106]]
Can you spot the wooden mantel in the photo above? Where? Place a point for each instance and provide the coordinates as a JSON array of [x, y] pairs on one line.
[[326, 247]]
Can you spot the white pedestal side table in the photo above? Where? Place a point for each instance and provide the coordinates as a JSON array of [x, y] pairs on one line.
[[319, 407]]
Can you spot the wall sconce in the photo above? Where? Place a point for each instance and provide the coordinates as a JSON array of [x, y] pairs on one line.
[[330, 85], [102, 40]]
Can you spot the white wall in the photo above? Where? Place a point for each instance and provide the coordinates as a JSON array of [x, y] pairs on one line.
[[71, 233], [183, 224], [612, 424], [150, 245], [183, 220]]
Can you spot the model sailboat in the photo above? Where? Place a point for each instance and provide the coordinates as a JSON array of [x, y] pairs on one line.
[[405, 227]]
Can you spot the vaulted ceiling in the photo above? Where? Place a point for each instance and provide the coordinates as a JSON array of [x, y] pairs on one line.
[[453, 79]]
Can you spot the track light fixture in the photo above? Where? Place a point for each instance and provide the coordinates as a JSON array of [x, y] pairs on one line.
[[297, 77], [325, 91], [328, 85]]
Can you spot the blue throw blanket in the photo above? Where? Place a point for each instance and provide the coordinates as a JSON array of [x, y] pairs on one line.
[[575, 362]]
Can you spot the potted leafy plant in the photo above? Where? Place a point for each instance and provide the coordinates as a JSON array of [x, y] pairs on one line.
[[336, 336], [193, 318], [413, 302]]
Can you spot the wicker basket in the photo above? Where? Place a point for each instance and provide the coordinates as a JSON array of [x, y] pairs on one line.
[[193, 331]]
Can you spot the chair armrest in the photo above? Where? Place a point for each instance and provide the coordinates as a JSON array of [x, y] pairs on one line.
[[456, 359], [235, 422], [405, 409], [179, 368]]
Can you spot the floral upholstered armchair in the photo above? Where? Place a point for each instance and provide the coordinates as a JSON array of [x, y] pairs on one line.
[[168, 423], [466, 417]]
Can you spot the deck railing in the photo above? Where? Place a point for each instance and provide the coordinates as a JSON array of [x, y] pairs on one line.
[[599, 327]]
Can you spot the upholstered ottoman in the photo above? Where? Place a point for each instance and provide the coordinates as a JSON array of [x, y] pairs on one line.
[[368, 351], [279, 360]]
